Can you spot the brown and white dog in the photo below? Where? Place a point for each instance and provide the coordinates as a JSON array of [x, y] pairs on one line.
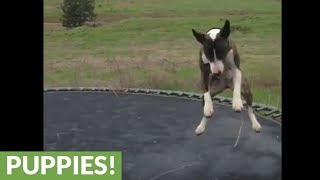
[[219, 63]]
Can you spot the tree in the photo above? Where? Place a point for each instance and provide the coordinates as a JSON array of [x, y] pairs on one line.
[[77, 12]]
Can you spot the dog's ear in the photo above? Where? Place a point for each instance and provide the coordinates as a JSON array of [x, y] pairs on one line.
[[225, 31], [199, 36]]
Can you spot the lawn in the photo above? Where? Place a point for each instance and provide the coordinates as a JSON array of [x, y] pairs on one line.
[[149, 44]]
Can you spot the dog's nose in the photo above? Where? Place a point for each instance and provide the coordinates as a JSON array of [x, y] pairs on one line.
[[217, 73]]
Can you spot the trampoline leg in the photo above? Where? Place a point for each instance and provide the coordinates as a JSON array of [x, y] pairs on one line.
[[202, 126]]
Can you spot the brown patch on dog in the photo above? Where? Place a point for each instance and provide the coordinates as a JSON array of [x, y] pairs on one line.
[[205, 72], [246, 91], [233, 46]]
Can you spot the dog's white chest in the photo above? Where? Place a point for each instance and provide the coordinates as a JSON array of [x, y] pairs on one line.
[[228, 74]]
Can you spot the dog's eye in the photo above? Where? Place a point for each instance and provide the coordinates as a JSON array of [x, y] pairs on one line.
[[221, 54], [221, 50], [209, 52]]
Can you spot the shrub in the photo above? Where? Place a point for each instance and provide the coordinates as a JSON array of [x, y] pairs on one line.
[[77, 12]]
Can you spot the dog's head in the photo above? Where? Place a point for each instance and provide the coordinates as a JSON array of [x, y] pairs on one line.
[[215, 46]]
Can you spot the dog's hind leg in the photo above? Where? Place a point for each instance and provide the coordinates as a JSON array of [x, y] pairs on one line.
[[247, 95], [216, 86]]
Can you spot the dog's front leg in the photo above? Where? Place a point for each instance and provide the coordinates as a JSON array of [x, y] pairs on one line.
[[236, 100], [206, 103], [216, 86], [207, 100]]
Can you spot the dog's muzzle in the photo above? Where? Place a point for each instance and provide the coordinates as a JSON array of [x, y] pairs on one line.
[[216, 68]]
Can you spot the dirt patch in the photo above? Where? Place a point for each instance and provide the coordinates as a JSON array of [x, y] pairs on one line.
[[101, 19], [239, 28], [110, 19], [238, 13], [51, 27]]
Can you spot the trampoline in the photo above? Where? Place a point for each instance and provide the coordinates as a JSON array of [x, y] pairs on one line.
[[155, 131]]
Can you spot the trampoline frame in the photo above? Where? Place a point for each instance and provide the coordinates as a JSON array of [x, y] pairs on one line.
[[268, 112]]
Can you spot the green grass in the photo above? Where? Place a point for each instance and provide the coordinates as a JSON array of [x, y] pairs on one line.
[[149, 44]]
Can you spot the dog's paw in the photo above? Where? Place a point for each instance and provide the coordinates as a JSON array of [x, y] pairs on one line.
[[256, 127], [208, 109], [237, 104], [200, 130]]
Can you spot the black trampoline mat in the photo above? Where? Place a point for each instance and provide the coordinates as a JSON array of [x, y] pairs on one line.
[[156, 136]]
